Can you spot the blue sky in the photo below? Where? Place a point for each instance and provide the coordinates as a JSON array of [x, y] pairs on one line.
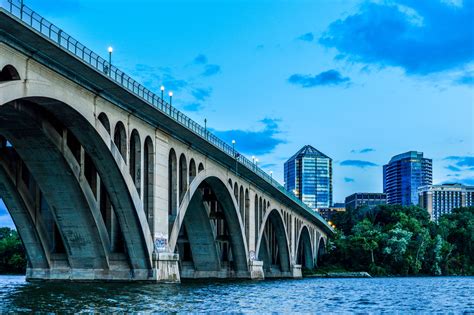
[[359, 80]]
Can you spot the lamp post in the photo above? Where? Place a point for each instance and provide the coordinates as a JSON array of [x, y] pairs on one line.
[[235, 157], [256, 163], [271, 175], [171, 98], [111, 50], [162, 88]]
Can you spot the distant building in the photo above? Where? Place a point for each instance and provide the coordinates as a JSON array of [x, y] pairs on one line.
[[328, 213], [403, 175], [308, 174], [370, 200], [442, 199]]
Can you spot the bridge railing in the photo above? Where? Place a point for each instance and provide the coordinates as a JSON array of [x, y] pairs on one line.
[[74, 47]]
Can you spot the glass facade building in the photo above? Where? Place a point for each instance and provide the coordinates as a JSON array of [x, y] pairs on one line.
[[308, 174], [403, 175]]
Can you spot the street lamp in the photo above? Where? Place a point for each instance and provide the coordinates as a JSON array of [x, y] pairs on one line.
[[235, 157], [271, 174], [162, 88], [171, 97], [111, 50], [256, 162]]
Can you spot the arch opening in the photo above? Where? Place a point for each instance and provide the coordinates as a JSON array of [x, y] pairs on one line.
[[304, 254], [183, 177], [135, 164], [9, 73], [210, 241], [192, 171], [120, 139], [148, 180], [104, 120], [273, 249]]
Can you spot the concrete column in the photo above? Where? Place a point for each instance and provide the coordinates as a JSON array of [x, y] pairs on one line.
[[256, 270], [252, 223], [160, 190], [166, 267]]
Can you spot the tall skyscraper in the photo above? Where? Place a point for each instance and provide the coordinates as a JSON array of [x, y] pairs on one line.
[[442, 199], [403, 175], [308, 174]]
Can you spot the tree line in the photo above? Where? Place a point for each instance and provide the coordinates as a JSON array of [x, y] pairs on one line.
[[397, 240], [12, 253]]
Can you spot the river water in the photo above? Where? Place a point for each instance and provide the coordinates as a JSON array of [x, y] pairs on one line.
[[375, 295]]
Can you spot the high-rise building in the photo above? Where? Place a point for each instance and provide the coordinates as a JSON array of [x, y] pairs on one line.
[[403, 175], [308, 174], [370, 200], [442, 199]]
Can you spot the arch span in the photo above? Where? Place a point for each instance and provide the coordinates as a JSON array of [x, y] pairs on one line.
[[273, 246], [109, 164], [304, 251], [198, 220]]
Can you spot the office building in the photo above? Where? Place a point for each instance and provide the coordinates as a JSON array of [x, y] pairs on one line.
[[308, 174], [442, 199], [370, 200], [328, 213], [403, 175]]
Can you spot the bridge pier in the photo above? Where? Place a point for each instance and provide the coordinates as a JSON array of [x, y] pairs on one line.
[[166, 267], [256, 270]]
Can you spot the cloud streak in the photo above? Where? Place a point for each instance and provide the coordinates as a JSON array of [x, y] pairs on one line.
[[252, 142], [357, 163], [422, 37], [362, 151], [327, 78], [349, 180], [308, 37], [211, 70]]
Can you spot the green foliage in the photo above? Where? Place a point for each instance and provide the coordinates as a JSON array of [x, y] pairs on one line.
[[396, 240], [12, 255]]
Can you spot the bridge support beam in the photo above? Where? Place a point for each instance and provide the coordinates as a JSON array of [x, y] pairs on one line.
[[166, 267], [296, 271], [256, 270]]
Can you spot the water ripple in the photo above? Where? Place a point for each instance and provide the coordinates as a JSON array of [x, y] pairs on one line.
[[452, 295]]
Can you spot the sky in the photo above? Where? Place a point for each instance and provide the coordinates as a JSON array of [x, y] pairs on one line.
[[360, 81]]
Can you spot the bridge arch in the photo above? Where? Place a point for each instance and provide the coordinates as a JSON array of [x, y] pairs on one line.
[[107, 158], [273, 246], [208, 236], [321, 250], [304, 250]]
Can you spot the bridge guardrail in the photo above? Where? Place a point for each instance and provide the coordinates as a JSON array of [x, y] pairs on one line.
[[74, 47]]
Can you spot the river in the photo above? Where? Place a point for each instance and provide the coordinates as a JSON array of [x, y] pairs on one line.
[[375, 295]]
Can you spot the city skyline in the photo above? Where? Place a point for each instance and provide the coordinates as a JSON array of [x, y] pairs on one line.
[[215, 66]]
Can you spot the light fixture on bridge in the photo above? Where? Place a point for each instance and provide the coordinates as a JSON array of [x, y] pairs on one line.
[[171, 97], [253, 159], [271, 174], [162, 88], [110, 50]]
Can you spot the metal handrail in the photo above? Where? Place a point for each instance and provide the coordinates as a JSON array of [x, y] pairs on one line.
[[74, 47]]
